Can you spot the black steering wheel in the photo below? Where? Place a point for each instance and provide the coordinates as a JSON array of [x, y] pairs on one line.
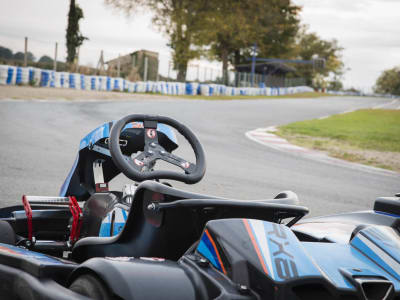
[[138, 168]]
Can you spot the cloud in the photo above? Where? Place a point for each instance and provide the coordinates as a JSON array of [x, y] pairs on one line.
[[367, 29]]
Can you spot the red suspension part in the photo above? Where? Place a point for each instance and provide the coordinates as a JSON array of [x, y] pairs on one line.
[[76, 212], [28, 212]]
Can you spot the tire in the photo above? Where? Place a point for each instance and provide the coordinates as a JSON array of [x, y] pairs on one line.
[[88, 285]]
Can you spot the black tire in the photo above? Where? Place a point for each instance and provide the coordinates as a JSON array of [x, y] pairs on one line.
[[88, 285]]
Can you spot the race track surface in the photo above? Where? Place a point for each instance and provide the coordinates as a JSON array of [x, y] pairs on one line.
[[39, 140]]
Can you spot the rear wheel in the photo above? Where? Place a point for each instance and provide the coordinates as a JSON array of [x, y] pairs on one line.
[[90, 286]]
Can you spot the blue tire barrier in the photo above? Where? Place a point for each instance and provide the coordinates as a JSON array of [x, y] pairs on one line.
[[211, 90], [11, 75], [44, 78], [117, 84], [93, 83], [191, 88], [71, 80], [108, 84], [82, 81], [18, 77], [31, 74]]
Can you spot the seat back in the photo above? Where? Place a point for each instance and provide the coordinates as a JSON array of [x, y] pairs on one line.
[[147, 233]]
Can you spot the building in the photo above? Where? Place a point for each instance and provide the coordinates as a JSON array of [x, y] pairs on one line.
[[271, 74], [137, 66]]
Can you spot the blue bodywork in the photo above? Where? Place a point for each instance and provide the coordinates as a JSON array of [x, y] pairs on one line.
[[102, 132], [280, 257]]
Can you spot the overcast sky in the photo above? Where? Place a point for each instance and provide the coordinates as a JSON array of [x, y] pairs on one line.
[[369, 30]]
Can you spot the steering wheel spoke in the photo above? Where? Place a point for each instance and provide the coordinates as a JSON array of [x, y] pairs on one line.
[[185, 165]]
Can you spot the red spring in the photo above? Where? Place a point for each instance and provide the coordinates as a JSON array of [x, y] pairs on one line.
[[28, 212], [76, 219]]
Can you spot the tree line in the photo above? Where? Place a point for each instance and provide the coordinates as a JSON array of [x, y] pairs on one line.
[[227, 30], [389, 82]]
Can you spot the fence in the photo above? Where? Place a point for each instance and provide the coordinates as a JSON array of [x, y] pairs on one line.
[[11, 75]]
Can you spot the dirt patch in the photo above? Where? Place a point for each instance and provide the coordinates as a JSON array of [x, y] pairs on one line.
[[381, 159]]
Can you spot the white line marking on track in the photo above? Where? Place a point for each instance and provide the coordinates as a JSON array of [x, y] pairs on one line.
[[264, 136], [384, 104], [347, 111]]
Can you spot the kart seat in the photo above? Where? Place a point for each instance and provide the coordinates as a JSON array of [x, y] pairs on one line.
[[143, 233], [168, 234], [7, 233]]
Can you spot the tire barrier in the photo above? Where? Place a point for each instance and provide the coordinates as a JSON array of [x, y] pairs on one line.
[[3, 74], [11, 75]]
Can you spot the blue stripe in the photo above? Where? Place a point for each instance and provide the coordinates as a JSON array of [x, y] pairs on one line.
[[358, 244], [211, 249], [203, 250]]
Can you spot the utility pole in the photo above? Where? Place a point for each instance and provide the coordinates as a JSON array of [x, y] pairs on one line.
[[26, 52], [100, 64], [169, 68], [55, 58], [119, 65], [77, 60], [253, 64], [146, 63]]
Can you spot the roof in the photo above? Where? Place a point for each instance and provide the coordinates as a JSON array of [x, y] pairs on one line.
[[265, 68]]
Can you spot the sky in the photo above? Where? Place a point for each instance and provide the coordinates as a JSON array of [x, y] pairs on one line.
[[368, 30]]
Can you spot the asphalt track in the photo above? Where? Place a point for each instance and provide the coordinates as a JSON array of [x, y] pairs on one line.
[[39, 140]]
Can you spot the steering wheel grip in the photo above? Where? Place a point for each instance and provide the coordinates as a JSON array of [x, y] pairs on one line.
[[129, 170]]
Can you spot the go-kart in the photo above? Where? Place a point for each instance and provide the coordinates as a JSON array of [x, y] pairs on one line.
[[153, 241]]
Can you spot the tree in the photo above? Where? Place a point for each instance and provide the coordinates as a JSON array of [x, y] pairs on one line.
[[45, 59], [5, 53], [20, 56], [181, 20], [74, 37], [310, 46], [389, 82], [234, 26], [335, 85]]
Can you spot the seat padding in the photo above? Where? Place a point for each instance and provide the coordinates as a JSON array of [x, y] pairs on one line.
[[7, 234]]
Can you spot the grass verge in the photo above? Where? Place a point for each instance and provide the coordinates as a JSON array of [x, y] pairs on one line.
[[365, 136]]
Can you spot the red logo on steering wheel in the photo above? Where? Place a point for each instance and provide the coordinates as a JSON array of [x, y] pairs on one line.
[[151, 133], [185, 165]]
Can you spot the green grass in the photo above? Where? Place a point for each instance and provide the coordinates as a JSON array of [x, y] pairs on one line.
[[200, 97], [364, 129]]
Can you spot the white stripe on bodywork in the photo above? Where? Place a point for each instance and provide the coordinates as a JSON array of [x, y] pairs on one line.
[[382, 254], [119, 217], [261, 237]]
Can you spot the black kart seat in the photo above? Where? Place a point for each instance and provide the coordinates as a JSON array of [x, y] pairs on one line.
[[178, 222], [141, 237], [7, 233]]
